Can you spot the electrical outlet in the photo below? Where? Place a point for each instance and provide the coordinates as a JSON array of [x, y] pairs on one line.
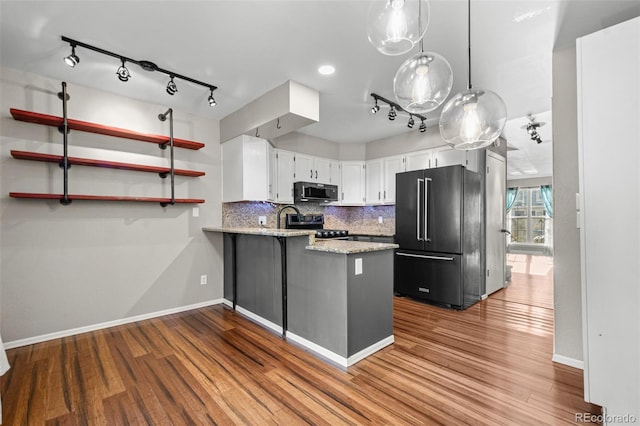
[[379, 219], [196, 212], [358, 266], [203, 279], [262, 220]]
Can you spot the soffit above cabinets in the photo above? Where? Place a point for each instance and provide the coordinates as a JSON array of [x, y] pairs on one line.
[[282, 110]]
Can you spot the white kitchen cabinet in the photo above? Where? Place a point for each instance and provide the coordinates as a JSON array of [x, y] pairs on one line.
[[303, 168], [374, 182], [284, 176], [441, 157], [334, 173], [447, 156], [273, 173], [391, 166], [608, 66], [245, 169], [322, 167], [352, 185], [312, 169], [418, 160]]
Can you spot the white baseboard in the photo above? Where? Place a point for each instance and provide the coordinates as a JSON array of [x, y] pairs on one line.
[[255, 318], [571, 362], [100, 326], [334, 357]]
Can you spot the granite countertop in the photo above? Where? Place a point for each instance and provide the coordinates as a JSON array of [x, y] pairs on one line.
[[371, 234], [268, 232], [349, 247]]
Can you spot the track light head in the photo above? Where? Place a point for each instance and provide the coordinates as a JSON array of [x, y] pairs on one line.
[[123, 73], [392, 113], [411, 122], [423, 127], [73, 59], [211, 99], [172, 89], [375, 108]]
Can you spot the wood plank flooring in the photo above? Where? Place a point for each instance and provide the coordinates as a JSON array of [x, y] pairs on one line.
[[487, 365]]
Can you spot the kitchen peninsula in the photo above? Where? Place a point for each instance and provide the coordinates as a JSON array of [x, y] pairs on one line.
[[332, 297]]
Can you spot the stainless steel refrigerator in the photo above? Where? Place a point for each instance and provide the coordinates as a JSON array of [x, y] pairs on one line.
[[439, 231]]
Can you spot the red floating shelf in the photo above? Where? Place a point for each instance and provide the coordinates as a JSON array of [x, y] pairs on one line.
[[104, 198], [85, 126], [52, 158]]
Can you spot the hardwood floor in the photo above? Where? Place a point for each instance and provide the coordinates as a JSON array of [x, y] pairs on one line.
[[490, 364]]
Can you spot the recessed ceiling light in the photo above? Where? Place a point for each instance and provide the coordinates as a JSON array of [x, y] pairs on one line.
[[327, 69]]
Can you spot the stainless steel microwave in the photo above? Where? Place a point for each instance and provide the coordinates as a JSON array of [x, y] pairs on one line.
[[312, 191]]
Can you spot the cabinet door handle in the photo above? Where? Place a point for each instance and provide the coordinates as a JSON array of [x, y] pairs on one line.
[[446, 259], [378, 195], [310, 174], [385, 194], [418, 235], [316, 174]]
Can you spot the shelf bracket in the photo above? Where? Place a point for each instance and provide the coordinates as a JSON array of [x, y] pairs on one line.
[[65, 201], [163, 117]]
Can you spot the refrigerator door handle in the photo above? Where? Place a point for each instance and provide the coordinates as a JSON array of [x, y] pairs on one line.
[[421, 256], [427, 182], [418, 235]]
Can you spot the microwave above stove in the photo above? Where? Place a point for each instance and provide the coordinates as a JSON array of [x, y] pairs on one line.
[[313, 191]]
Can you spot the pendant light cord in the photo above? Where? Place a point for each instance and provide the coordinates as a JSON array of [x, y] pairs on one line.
[[469, 40], [420, 26]]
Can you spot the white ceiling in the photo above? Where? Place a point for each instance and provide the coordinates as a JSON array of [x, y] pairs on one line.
[[247, 48]]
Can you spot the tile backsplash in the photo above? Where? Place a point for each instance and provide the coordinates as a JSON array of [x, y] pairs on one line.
[[357, 220]]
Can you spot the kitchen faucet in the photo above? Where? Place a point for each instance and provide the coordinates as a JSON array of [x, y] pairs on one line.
[[284, 207]]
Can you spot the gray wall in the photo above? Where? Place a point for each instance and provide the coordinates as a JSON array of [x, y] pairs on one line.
[[65, 267], [306, 144], [566, 236]]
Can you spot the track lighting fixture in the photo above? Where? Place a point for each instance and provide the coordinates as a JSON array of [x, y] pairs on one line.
[[394, 109], [392, 113], [72, 60], [211, 99], [172, 89], [423, 127], [123, 72]]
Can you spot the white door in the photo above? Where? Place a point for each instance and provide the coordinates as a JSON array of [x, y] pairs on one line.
[[495, 214], [419, 160]]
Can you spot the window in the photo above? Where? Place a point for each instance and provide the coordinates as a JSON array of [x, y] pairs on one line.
[[528, 219]]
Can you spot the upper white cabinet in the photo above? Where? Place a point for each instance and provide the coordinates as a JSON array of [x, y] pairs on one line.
[[441, 157], [391, 166], [284, 176], [334, 173], [418, 160], [374, 182], [245, 169], [312, 169], [352, 184]]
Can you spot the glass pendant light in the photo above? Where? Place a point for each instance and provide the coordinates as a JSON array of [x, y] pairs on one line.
[[395, 26], [423, 82], [474, 118]]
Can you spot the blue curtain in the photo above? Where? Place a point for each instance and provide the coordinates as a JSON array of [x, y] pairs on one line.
[[547, 199], [512, 193]]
